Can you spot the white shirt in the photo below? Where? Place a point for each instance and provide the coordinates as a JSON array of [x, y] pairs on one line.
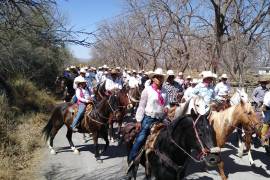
[[99, 76], [266, 99], [149, 104], [110, 84], [188, 93], [133, 82], [222, 89], [85, 94]]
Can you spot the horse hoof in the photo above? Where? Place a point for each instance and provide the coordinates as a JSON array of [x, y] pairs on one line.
[[53, 152], [76, 151]]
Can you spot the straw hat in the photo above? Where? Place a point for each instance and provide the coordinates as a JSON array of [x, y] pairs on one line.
[[264, 79], [114, 71], [207, 74], [80, 80], [224, 76], [188, 77], [170, 73], [157, 72], [82, 70]]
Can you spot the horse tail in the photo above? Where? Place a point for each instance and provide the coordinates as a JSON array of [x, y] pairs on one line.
[[56, 116]]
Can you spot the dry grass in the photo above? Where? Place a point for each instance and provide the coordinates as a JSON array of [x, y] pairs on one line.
[[20, 129]]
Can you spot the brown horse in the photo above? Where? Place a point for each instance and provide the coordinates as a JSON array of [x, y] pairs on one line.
[[123, 104], [225, 122], [95, 122], [134, 95]]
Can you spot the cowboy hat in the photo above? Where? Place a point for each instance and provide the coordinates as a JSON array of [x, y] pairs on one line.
[[114, 71], [224, 76], [67, 69], [170, 73], [118, 68], [72, 67], [157, 72], [194, 81], [180, 74], [188, 77], [207, 74], [264, 79], [80, 80], [105, 66], [82, 70]]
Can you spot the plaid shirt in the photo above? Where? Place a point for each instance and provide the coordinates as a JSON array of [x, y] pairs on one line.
[[172, 90]]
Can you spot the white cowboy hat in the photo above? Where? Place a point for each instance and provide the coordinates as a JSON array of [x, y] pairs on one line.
[[80, 80], [170, 73], [194, 81], [180, 74], [224, 76], [118, 68], [67, 69], [129, 72], [134, 71], [72, 67], [188, 77], [158, 72], [82, 70], [207, 74], [105, 66], [100, 67]]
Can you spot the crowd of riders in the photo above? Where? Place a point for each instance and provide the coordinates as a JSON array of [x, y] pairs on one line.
[[160, 91]]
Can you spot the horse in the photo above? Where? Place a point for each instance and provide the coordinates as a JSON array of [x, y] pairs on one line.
[[225, 122], [174, 143], [123, 106], [95, 122], [134, 95]]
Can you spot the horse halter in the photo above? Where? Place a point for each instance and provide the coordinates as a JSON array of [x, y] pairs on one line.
[[204, 151]]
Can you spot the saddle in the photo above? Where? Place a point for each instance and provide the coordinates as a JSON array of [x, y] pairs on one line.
[[73, 109]]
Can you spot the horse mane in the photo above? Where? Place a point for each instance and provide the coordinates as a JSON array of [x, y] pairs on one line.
[[174, 124]]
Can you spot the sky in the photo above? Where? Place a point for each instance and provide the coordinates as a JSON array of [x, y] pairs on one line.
[[85, 15]]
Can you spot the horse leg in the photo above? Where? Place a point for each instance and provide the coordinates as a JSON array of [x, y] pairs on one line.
[[240, 142], [69, 137], [248, 138], [95, 139], [51, 138], [105, 137], [111, 132], [221, 170]]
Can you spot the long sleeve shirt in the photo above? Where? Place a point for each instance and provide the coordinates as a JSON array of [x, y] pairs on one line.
[[207, 92], [113, 84], [83, 95], [172, 91], [222, 89], [149, 104], [258, 94]]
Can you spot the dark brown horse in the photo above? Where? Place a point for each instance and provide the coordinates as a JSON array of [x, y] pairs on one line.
[[95, 122], [123, 104]]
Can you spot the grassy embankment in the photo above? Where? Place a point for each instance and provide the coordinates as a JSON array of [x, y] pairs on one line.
[[20, 129]]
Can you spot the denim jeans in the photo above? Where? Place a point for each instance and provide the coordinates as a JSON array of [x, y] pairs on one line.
[[74, 99], [267, 117], [141, 137], [80, 113]]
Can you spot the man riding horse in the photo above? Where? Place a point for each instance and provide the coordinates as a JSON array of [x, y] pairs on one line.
[[150, 110]]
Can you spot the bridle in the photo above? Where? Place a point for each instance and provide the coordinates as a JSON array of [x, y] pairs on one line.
[[204, 150]]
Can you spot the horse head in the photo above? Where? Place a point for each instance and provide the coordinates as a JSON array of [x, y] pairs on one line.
[[239, 95], [248, 117], [205, 140], [115, 105]]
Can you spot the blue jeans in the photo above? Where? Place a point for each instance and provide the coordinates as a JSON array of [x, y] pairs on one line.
[[141, 137], [266, 119], [80, 113], [74, 99]]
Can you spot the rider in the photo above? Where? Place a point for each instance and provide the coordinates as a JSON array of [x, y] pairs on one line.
[[173, 90], [266, 119], [133, 81], [223, 88], [189, 90], [84, 97], [150, 110], [113, 82], [205, 88], [259, 92]]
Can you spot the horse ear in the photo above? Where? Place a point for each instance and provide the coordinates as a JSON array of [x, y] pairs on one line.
[[242, 102]]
